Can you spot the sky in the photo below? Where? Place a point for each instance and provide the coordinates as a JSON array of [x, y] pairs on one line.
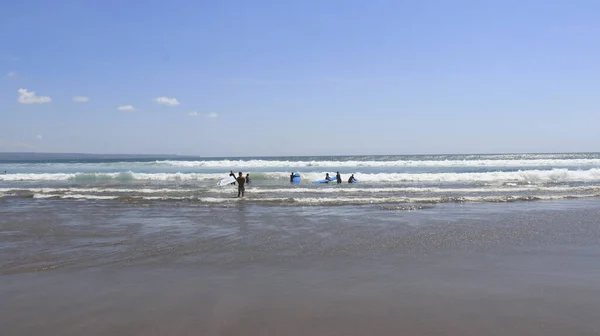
[[254, 78]]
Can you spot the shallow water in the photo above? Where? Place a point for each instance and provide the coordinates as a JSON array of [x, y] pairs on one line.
[[114, 268]]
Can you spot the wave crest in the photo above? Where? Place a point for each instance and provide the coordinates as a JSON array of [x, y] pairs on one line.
[[234, 164], [522, 176]]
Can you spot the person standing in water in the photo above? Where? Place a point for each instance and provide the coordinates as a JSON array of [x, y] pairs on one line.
[[338, 177], [232, 174], [247, 178], [241, 181], [292, 178]]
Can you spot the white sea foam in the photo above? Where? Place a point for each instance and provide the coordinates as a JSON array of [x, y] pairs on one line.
[[75, 196], [524, 176], [91, 197], [294, 190], [328, 200], [353, 190], [123, 176], [234, 164]]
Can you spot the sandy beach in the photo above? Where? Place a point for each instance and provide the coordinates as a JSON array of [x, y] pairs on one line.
[[494, 269]]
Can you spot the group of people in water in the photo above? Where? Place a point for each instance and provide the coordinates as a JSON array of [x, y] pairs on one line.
[[338, 178], [242, 180]]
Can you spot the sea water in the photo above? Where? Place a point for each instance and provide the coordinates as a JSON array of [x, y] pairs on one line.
[[394, 180]]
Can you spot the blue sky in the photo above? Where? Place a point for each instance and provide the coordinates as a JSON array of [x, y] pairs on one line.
[[299, 78]]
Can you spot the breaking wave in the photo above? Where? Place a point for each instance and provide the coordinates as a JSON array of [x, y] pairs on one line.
[[521, 176], [231, 164]]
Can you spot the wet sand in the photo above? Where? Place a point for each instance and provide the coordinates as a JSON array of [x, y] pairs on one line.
[[500, 269]]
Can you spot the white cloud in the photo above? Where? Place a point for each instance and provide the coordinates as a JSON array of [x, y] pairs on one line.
[[81, 99], [126, 108], [167, 101], [39, 136], [194, 114], [26, 97], [12, 74], [212, 115]]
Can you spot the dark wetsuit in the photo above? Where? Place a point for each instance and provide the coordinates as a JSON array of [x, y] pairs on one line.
[[232, 174], [338, 177], [248, 179], [241, 181], [351, 179]]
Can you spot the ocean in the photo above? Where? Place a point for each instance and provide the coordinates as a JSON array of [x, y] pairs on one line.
[[386, 180], [496, 244]]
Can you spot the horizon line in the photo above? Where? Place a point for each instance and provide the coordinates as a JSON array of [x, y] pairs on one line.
[[272, 156]]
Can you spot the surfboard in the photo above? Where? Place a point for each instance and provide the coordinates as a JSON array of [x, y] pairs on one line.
[[331, 179], [226, 181], [296, 178], [355, 181]]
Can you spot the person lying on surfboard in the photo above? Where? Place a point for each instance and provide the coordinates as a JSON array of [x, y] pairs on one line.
[[327, 177]]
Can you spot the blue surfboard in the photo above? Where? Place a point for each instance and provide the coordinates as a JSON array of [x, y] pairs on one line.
[[331, 179], [296, 178]]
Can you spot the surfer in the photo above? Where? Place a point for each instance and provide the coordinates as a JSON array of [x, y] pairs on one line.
[[232, 174], [327, 177], [292, 178], [338, 177], [351, 179], [247, 178], [241, 180]]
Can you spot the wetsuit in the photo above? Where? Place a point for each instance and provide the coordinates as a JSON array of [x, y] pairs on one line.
[[241, 181]]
